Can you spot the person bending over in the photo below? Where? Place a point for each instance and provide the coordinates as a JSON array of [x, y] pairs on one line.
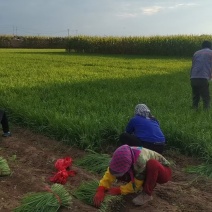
[[144, 130], [200, 75], [142, 167]]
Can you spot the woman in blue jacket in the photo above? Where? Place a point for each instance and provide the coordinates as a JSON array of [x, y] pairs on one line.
[[144, 130]]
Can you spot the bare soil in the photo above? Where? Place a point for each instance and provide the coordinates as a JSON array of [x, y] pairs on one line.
[[31, 158]]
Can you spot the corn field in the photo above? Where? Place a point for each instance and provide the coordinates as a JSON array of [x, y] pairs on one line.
[[176, 45], [155, 45]]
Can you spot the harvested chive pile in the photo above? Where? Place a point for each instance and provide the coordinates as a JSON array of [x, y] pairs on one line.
[[112, 204], [86, 192], [4, 167], [47, 201], [94, 162]]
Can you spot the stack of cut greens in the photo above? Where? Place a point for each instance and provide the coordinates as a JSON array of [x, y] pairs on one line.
[[47, 201], [94, 162], [112, 203], [86, 193], [4, 168]]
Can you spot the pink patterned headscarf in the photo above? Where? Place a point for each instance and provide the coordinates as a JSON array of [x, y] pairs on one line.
[[123, 159]]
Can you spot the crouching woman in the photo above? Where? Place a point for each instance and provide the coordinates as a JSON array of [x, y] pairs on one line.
[[145, 169]]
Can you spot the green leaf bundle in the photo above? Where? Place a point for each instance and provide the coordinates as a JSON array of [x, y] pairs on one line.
[[112, 203], [94, 162], [86, 192], [47, 201], [4, 167]]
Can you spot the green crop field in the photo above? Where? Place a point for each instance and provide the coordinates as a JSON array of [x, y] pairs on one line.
[[86, 100]]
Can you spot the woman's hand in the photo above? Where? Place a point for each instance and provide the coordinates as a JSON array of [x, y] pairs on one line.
[[99, 196]]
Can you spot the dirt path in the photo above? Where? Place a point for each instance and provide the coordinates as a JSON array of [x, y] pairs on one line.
[[31, 158]]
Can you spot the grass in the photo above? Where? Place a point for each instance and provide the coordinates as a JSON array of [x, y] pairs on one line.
[[204, 169], [87, 100]]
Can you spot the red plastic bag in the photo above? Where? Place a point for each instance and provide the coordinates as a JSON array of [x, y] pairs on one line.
[[63, 167], [64, 163], [60, 177]]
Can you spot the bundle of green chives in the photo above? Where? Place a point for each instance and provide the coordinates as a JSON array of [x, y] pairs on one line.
[[86, 192], [112, 203], [47, 201], [94, 162], [4, 168]]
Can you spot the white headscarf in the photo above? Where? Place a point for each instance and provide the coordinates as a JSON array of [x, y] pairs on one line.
[[142, 110]]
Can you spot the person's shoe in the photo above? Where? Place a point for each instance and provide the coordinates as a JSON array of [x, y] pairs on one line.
[[141, 199], [7, 134]]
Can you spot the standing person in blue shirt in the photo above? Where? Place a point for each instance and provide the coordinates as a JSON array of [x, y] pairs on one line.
[[200, 74], [143, 130]]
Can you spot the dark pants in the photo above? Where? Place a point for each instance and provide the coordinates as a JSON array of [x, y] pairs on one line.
[[200, 89], [4, 121], [131, 140]]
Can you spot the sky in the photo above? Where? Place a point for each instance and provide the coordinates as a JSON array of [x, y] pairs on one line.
[[105, 17]]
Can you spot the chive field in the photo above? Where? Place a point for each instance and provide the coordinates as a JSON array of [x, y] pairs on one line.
[[86, 100]]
